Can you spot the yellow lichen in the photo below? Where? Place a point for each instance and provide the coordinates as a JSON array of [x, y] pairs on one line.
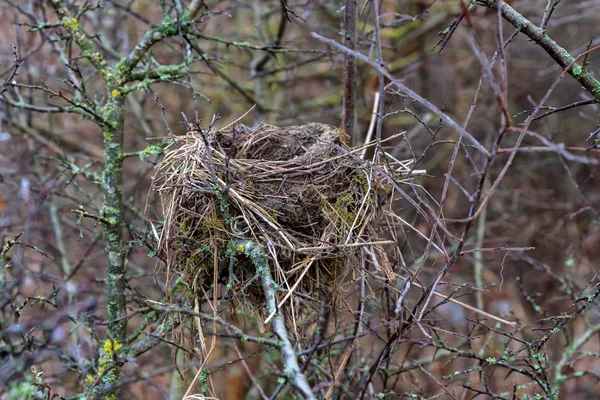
[[109, 349], [70, 23], [112, 346]]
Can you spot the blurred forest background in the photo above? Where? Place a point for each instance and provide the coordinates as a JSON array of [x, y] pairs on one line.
[[504, 221]]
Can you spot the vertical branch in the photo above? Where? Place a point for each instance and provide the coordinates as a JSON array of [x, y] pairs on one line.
[[478, 256], [350, 70], [112, 122], [112, 178]]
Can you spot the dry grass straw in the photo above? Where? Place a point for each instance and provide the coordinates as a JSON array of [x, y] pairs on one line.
[[299, 191]]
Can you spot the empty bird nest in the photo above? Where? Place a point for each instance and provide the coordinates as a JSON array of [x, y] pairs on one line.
[[311, 203]]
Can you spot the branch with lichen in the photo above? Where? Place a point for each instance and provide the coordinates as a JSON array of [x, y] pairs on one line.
[[567, 358], [168, 27], [85, 43], [161, 73], [111, 120], [110, 116], [554, 50], [83, 108], [260, 260]]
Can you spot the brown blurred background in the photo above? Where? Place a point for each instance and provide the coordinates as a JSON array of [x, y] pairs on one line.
[[545, 201]]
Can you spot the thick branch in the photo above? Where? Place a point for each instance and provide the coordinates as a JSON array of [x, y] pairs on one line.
[[112, 178]]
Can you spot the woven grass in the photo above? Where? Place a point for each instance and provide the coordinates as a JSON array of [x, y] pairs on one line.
[[298, 191]]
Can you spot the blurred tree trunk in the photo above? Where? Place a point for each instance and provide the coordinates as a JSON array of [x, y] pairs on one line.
[[350, 71]]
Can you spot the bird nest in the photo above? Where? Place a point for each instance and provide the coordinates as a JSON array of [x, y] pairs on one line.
[[300, 192]]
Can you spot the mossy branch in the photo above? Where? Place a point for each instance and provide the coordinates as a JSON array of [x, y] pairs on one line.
[[85, 43], [168, 27], [260, 260], [539, 36]]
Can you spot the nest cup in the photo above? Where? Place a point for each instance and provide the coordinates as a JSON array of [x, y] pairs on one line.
[[298, 191]]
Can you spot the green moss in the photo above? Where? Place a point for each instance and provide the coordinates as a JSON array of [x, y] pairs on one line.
[[342, 207], [363, 181], [195, 262], [214, 222]]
